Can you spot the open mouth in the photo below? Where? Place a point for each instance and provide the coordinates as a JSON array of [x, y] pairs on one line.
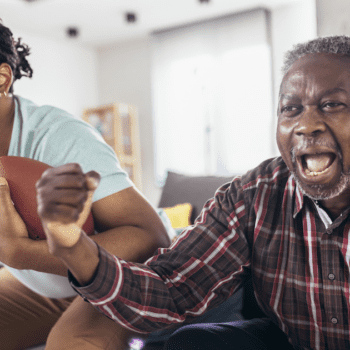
[[317, 164]]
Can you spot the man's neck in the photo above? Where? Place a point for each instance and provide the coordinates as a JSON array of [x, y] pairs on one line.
[[337, 205]]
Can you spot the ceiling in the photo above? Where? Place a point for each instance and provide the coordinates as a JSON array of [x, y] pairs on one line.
[[102, 22]]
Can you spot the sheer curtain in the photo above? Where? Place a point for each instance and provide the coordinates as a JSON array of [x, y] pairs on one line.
[[212, 96]]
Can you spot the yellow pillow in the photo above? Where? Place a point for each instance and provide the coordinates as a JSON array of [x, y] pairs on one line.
[[179, 215]]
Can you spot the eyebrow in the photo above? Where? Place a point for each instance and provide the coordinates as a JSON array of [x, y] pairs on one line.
[[328, 92]]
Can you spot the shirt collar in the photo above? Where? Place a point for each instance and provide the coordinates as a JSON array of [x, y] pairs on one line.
[[299, 196], [299, 202], [327, 221]]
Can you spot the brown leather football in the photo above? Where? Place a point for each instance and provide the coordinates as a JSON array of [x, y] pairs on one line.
[[22, 174]]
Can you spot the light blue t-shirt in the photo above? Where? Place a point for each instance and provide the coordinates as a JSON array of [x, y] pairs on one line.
[[53, 136]]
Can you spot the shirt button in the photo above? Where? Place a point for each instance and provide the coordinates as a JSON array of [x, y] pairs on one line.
[[334, 320], [331, 276]]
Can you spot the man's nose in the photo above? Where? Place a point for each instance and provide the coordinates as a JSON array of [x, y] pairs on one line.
[[310, 122]]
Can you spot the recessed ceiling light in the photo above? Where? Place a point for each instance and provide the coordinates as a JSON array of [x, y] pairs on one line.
[[130, 17], [72, 32]]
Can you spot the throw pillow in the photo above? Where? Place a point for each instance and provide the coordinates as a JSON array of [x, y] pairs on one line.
[[179, 215]]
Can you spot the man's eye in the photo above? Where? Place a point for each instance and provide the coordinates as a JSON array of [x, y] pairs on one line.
[[289, 109], [330, 105]]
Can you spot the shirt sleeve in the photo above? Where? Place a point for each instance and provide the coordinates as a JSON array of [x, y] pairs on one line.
[[199, 271], [67, 140]]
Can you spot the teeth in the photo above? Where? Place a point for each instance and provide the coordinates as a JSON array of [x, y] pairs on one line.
[[314, 173]]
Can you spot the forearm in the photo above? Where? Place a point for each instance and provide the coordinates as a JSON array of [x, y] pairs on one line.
[[28, 254], [86, 251], [128, 243], [170, 288], [113, 273]]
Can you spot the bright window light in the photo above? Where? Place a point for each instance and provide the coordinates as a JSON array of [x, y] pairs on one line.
[[212, 97]]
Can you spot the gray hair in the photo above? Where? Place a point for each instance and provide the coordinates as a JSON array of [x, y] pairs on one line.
[[339, 44]]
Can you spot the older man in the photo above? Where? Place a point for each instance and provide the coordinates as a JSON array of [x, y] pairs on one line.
[[287, 221]]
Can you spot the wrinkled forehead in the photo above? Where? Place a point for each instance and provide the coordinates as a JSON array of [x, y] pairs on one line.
[[322, 68]]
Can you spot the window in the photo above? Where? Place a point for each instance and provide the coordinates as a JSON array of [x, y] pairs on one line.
[[212, 95]]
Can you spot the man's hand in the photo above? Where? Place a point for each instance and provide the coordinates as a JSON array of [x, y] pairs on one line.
[[64, 196], [12, 227]]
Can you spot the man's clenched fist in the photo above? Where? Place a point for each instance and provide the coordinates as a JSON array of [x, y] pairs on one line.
[[64, 198]]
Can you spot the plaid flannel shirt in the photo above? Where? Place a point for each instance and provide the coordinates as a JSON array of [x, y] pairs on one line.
[[298, 257]]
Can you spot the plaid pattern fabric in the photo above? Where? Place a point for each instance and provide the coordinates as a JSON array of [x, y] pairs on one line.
[[262, 222]]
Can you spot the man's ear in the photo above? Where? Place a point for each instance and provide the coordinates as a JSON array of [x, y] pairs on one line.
[[6, 77]]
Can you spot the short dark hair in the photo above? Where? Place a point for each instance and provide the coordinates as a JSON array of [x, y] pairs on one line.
[[14, 53], [338, 44]]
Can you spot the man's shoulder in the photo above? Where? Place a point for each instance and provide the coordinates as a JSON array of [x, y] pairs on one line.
[[272, 172]]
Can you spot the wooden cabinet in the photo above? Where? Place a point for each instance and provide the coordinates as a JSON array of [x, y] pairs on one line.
[[118, 124]]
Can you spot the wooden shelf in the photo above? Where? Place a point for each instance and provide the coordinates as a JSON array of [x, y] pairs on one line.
[[118, 124]]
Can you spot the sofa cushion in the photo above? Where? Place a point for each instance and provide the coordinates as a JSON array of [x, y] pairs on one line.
[[179, 188]]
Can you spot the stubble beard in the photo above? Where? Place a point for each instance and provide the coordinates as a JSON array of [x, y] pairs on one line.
[[320, 192]]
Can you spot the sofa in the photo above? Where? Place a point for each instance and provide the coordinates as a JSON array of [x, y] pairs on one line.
[[196, 190]]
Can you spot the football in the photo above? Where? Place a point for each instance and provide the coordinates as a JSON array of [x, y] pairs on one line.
[[22, 174]]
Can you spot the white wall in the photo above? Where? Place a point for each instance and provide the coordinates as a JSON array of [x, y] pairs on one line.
[[291, 24], [65, 74], [333, 17], [125, 76]]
